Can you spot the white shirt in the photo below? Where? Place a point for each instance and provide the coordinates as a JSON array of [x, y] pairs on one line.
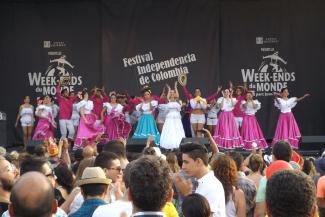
[[87, 105], [211, 188], [285, 106], [250, 110], [46, 110], [114, 209], [109, 108], [197, 105], [213, 111], [146, 106], [227, 105]]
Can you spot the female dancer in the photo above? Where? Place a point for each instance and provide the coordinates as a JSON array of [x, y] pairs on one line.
[[287, 128], [114, 120], [240, 92], [26, 116], [146, 125], [212, 116], [162, 101], [251, 131], [88, 128], [226, 134], [172, 132], [46, 124], [75, 117], [199, 105]]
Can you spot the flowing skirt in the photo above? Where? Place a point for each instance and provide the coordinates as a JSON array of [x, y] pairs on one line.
[[116, 127], [87, 132], [172, 132], [44, 129], [146, 127], [226, 134], [287, 130], [251, 132]]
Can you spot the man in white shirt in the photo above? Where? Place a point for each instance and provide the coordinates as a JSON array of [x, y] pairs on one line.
[[195, 164], [118, 207]]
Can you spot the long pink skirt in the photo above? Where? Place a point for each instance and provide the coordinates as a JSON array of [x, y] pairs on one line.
[[287, 130], [43, 130], [87, 132], [251, 132], [226, 134], [116, 127]]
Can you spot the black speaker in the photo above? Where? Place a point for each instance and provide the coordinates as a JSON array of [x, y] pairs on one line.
[[30, 148], [200, 140], [135, 145]]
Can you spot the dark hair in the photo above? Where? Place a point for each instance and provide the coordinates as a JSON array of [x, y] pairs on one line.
[[224, 168], [283, 89], [255, 162], [282, 151], [127, 173], [31, 163], [84, 92], [290, 193], [115, 146], [64, 90], [195, 151], [237, 157], [195, 205], [150, 183], [149, 151], [42, 208], [40, 150], [78, 154], [104, 159], [146, 89], [307, 167], [64, 177], [93, 189]]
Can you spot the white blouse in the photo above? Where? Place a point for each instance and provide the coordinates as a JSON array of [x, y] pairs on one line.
[[45, 111], [146, 106], [227, 105], [213, 111], [285, 106], [250, 110], [87, 105], [109, 108], [26, 111], [197, 105]]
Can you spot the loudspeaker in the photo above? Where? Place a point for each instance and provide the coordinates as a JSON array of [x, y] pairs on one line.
[[32, 144], [312, 143], [200, 140], [135, 145], [3, 133]]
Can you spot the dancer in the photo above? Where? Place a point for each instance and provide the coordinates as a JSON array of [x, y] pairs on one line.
[[114, 120], [251, 131], [99, 98], [212, 116], [186, 114], [172, 132], [75, 117], [146, 125], [46, 124], [162, 101], [240, 94], [27, 119], [287, 128], [65, 111], [88, 128], [226, 133], [198, 105]]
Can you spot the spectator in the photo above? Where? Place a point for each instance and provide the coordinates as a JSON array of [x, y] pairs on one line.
[[39, 203], [8, 176], [172, 162], [64, 180], [118, 148], [290, 193], [320, 165], [255, 165], [281, 151], [88, 152], [195, 205], [150, 186], [94, 187], [116, 208], [225, 170], [195, 164]]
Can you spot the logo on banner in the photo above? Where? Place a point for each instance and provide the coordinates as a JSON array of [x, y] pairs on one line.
[[272, 74], [59, 68]]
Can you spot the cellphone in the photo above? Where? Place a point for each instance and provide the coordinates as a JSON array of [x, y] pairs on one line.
[[104, 136]]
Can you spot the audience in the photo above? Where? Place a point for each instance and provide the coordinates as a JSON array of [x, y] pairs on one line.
[[195, 205]]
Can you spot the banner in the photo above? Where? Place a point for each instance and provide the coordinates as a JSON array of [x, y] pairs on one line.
[[125, 45]]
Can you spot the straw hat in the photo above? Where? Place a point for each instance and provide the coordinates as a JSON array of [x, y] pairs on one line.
[[93, 175]]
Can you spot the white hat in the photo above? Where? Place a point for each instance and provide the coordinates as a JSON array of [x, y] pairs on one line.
[[93, 175]]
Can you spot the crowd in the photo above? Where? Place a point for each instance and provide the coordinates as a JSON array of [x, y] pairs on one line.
[[88, 171]]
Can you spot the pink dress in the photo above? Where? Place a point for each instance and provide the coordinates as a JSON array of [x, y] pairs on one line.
[[46, 124], [87, 132], [115, 122], [226, 134], [287, 128], [251, 131]]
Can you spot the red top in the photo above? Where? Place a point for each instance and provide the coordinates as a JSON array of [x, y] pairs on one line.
[[237, 112], [65, 104], [98, 104]]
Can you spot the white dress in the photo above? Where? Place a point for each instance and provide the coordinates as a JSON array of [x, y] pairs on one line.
[[26, 117], [173, 131]]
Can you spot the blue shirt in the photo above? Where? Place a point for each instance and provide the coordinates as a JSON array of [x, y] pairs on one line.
[[88, 208]]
